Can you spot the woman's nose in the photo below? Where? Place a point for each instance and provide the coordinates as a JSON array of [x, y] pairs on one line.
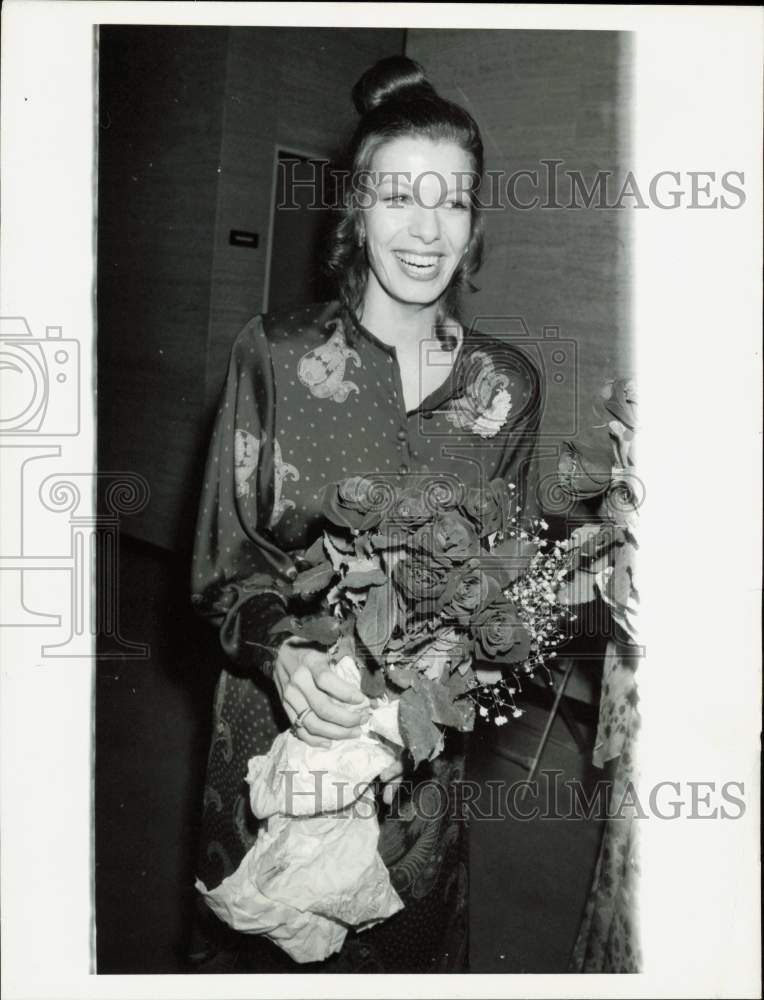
[[425, 224]]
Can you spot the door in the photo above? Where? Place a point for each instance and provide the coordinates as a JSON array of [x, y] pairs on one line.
[[300, 223]]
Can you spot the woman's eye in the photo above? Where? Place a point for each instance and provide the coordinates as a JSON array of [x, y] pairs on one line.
[[398, 199], [458, 205]]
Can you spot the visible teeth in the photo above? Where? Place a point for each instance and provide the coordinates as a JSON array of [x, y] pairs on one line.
[[419, 261]]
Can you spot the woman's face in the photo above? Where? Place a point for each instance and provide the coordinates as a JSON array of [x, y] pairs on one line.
[[419, 223]]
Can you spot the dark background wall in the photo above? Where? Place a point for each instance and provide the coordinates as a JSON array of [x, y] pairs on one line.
[[189, 123]]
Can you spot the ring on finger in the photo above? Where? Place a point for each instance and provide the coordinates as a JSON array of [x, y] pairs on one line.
[[298, 722]]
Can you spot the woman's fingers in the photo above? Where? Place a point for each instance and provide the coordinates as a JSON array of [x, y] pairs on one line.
[[302, 692], [328, 730], [339, 689], [304, 680], [295, 705], [326, 709]]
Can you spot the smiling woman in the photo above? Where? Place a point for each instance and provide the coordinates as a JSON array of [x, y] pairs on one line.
[[416, 230], [381, 383]]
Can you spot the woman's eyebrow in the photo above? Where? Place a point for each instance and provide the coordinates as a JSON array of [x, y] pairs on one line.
[[404, 178], [393, 176]]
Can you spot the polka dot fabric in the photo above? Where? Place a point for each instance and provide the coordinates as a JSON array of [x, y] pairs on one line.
[[312, 397]]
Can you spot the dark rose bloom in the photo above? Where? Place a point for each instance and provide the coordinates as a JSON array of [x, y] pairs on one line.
[[488, 507], [355, 492], [620, 397], [443, 492], [352, 504], [585, 470], [423, 583], [449, 538], [409, 509], [475, 590], [500, 635]]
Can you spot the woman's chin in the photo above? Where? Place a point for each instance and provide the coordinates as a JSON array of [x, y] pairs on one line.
[[417, 293]]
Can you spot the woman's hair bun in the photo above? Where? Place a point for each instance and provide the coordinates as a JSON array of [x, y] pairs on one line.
[[390, 79]]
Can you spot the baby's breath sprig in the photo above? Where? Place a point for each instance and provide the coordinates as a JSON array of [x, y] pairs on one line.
[[493, 701], [534, 596]]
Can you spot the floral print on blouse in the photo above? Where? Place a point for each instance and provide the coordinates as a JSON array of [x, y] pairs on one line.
[[312, 397]]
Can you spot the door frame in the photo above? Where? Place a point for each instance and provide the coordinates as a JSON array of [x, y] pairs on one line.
[[301, 154]]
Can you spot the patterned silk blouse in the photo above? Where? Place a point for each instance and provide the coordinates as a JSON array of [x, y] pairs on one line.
[[312, 397]]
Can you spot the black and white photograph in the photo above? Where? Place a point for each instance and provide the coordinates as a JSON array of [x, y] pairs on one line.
[[361, 539]]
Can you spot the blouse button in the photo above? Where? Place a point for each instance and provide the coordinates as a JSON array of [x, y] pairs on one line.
[[403, 469], [402, 435], [291, 573]]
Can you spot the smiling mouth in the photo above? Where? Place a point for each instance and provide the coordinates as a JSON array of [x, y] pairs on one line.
[[419, 263]]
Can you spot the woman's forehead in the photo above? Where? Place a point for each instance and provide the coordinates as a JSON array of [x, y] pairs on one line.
[[417, 155]]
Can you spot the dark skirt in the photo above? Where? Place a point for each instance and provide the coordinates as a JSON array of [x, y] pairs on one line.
[[423, 842]]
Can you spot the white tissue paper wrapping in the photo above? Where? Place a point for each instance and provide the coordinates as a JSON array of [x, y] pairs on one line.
[[314, 869]]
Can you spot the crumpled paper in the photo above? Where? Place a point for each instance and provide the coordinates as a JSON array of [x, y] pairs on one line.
[[314, 869]]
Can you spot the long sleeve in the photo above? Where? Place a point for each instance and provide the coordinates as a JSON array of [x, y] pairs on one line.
[[241, 579]]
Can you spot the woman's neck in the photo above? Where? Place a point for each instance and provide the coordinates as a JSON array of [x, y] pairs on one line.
[[399, 324]]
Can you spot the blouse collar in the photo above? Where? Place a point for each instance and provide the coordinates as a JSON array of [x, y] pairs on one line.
[[448, 388]]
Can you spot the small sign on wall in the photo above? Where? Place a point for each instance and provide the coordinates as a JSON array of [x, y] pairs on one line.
[[241, 238]]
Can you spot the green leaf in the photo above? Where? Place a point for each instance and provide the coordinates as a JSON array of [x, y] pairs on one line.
[[314, 580], [420, 735], [315, 553], [372, 681], [459, 683], [401, 677], [363, 546], [345, 646], [439, 702], [389, 539], [375, 621], [358, 579], [321, 629]]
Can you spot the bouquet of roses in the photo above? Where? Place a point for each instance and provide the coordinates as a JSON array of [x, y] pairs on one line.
[[419, 584], [407, 589]]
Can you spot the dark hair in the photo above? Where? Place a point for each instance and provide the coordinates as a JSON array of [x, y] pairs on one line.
[[395, 99]]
